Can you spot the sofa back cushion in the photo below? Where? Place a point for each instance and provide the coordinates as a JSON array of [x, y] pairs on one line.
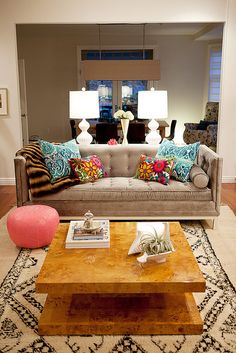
[[119, 160]]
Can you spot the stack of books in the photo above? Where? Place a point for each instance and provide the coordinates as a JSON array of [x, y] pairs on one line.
[[78, 237]]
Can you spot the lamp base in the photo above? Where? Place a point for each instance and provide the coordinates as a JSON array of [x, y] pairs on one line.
[[153, 137], [84, 138]]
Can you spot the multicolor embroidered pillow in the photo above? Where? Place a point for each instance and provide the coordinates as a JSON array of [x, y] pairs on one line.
[[56, 157], [154, 169], [88, 169], [184, 158]]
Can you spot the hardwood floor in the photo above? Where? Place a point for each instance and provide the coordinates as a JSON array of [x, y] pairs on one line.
[[8, 197], [228, 195]]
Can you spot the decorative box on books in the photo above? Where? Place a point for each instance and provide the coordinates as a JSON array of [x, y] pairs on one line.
[[97, 236]]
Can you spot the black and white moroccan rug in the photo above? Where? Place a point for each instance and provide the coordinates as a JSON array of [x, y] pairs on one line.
[[20, 308]]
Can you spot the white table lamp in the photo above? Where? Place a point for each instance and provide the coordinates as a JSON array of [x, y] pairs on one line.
[[84, 105], [152, 105]]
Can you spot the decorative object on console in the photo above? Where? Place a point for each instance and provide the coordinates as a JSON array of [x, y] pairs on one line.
[[154, 169], [125, 118], [184, 158], [84, 105], [152, 105], [88, 169], [125, 126], [112, 142], [56, 157]]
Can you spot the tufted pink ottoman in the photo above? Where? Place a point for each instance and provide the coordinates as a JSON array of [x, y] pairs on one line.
[[32, 226]]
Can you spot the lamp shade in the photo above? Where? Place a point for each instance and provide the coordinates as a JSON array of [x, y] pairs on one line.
[[152, 105], [83, 104]]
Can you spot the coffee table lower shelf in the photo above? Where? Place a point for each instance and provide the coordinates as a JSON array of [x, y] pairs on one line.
[[86, 314]]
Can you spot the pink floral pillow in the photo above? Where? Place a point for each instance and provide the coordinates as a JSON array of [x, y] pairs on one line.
[[154, 169], [87, 169]]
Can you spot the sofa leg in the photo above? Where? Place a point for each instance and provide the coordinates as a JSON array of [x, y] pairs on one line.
[[214, 223], [211, 223]]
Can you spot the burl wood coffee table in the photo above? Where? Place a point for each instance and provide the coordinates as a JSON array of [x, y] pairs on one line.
[[105, 291]]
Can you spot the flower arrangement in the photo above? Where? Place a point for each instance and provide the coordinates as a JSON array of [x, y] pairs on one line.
[[112, 142], [121, 114]]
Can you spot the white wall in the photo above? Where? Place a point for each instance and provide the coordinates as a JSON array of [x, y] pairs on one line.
[[227, 127], [103, 11], [183, 69], [51, 71]]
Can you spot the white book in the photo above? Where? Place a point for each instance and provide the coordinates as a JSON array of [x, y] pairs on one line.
[[88, 242], [89, 246]]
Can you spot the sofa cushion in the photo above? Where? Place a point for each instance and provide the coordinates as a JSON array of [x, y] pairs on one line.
[[154, 169], [131, 189], [184, 158], [56, 157], [87, 169]]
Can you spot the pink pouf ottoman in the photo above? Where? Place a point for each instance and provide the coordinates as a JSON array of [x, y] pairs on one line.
[[32, 226]]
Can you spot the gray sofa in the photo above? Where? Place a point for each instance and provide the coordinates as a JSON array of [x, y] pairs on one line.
[[121, 196]]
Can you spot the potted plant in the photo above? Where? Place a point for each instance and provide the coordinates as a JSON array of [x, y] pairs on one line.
[[155, 244]]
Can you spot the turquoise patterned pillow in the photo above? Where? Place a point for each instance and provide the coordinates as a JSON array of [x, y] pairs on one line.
[[56, 157], [184, 158]]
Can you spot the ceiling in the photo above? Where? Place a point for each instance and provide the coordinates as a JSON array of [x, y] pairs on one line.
[[199, 31]]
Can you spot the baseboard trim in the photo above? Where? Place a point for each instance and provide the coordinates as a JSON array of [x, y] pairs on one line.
[[7, 181], [229, 179]]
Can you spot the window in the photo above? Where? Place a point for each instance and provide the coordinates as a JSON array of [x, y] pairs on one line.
[[131, 54], [130, 91], [214, 74], [105, 94]]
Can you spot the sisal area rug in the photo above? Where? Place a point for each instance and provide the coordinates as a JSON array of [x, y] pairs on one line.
[[20, 308]]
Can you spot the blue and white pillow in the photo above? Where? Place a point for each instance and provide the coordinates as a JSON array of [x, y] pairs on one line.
[[184, 157], [56, 157]]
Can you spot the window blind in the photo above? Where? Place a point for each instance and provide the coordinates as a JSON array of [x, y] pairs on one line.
[[214, 75]]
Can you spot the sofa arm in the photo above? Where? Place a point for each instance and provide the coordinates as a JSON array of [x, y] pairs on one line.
[[212, 163], [22, 186], [212, 134]]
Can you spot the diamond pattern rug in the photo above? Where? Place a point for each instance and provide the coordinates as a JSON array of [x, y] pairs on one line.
[[20, 309]]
